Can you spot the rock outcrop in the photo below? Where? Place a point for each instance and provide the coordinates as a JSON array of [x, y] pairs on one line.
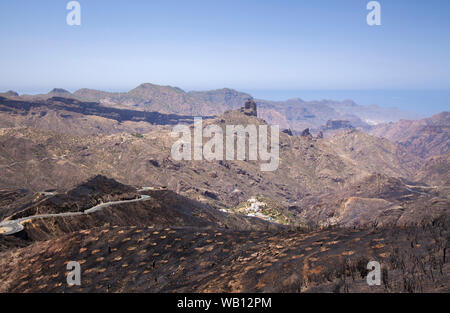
[[9, 94], [250, 108], [306, 133]]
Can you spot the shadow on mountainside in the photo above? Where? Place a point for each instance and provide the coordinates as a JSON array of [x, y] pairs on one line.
[[92, 108]]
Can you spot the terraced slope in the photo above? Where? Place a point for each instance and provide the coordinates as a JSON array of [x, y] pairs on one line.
[[173, 259]]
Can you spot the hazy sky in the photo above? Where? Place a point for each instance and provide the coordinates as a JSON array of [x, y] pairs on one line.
[[244, 44]]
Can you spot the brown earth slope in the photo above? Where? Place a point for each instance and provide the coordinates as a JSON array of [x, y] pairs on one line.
[[435, 171], [42, 160], [173, 259], [424, 138], [70, 116], [376, 200]]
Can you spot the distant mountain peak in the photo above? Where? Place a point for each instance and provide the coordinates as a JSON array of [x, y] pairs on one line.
[[153, 86], [11, 93], [146, 85], [297, 99], [59, 91], [349, 102]]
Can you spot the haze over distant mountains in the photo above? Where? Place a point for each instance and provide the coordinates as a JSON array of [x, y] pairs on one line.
[[425, 137], [62, 155], [34, 132], [295, 113]]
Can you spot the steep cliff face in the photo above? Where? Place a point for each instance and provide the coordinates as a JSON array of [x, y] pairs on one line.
[[249, 108]]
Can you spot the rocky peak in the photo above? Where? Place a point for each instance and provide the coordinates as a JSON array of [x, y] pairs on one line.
[[288, 132], [11, 93], [59, 91], [249, 108], [101, 185], [306, 133]]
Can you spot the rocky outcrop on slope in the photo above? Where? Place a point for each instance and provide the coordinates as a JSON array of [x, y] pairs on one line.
[[249, 108]]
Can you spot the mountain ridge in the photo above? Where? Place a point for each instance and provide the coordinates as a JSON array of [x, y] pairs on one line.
[[294, 113], [425, 137]]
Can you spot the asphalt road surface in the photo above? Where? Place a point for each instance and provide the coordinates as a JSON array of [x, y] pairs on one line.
[[14, 226]]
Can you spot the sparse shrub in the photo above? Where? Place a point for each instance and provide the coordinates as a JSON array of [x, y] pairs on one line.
[[138, 135]]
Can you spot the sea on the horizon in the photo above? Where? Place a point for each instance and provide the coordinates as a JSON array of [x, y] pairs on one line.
[[418, 103]]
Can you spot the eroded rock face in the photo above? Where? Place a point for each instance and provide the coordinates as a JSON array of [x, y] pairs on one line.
[[11, 93], [250, 108], [306, 133]]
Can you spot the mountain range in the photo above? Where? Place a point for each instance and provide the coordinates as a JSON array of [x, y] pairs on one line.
[[295, 114], [90, 176]]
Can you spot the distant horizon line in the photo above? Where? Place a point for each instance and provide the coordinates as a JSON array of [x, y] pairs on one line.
[[45, 90], [419, 103]]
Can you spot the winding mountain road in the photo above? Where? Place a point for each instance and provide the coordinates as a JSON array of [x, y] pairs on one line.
[[15, 226]]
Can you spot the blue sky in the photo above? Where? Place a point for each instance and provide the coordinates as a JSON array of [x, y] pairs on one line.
[[245, 44]]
